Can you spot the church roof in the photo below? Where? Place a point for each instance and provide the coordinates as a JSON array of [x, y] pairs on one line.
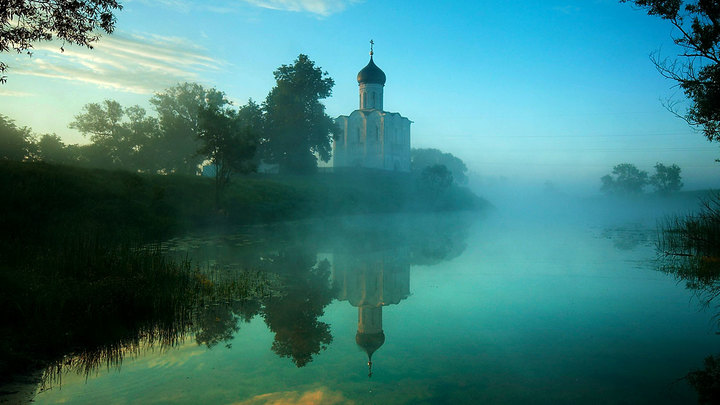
[[371, 74]]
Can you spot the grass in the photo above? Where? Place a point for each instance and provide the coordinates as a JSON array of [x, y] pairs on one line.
[[97, 301]]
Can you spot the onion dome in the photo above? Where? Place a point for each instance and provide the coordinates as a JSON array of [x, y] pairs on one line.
[[370, 342], [371, 74]]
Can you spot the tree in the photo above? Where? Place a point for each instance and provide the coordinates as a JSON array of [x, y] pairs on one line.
[[51, 149], [697, 26], [121, 136], [228, 143], [23, 22], [625, 179], [422, 158], [436, 179], [666, 179], [15, 143], [296, 126], [179, 109]]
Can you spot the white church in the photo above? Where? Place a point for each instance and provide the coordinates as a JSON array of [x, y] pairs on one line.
[[371, 137]]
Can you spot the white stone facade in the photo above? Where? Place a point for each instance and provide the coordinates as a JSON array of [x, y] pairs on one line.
[[370, 137]]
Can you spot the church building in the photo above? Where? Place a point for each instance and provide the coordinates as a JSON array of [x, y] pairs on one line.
[[371, 137]]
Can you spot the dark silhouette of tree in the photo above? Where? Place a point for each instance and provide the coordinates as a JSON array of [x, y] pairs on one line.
[[179, 109], [625, 179], [121, 136], [228, 143], [697, 25], [422, 158], [296, 126], [293, 315], [51, 149], [15, 143], [23, 22], [666, 179]]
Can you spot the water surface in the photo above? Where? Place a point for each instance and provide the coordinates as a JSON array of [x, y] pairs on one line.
[[508, 307]]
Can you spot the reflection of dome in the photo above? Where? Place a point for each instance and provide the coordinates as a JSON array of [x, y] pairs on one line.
[[371, 74], [370, 342]]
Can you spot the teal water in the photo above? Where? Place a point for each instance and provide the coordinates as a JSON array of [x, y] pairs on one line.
[[491, 309]]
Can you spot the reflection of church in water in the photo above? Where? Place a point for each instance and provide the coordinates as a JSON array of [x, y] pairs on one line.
[[370, 281]]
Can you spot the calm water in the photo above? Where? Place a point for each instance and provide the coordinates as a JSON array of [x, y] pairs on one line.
[[457, 309]]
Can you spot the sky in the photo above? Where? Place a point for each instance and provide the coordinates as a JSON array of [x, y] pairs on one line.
[[522, 91]]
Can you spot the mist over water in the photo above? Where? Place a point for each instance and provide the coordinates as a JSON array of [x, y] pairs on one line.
[[545, 298]]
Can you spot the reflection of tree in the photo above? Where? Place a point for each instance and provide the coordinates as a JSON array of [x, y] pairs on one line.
[[689, 249], [707, 381], [293, 315], [219, 323]]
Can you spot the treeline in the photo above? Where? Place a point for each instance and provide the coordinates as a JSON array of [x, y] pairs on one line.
[[626, 179], [193, 125]]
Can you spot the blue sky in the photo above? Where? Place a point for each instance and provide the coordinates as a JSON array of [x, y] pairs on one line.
[[526, 90]]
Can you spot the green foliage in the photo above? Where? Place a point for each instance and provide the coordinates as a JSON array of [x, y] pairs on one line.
[[51, 149], [422, 158], [179, 110], [296, 125], [23, 22], [16, 144], [697, 33], [229, 144], [122, 137], [625, 179], [666, 179]]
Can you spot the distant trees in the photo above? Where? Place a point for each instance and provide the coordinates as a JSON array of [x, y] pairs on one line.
[[697, 33], [666, 179], [23, 22], [627, 179], [424, 158], [296, 126]]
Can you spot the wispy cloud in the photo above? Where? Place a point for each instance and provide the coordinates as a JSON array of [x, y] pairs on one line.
[[130, 63], [11, 93], [319, 7], [322, 8]]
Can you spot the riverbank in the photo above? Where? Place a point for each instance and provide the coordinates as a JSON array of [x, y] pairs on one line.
[[42, 200]]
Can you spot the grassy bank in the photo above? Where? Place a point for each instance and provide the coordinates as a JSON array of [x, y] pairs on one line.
[[41, 200]]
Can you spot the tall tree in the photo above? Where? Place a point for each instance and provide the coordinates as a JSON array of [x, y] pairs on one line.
[[23, 22], [179, 109], [228, 143], [666, 179], [625, 179], [296, 126], [697, 32]]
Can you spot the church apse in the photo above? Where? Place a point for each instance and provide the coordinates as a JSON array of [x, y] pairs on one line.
[[371, 137]]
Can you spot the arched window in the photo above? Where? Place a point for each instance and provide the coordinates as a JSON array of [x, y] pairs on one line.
[[374, 104]]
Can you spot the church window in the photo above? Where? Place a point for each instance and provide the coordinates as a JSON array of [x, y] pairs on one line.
[[374, 103]]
